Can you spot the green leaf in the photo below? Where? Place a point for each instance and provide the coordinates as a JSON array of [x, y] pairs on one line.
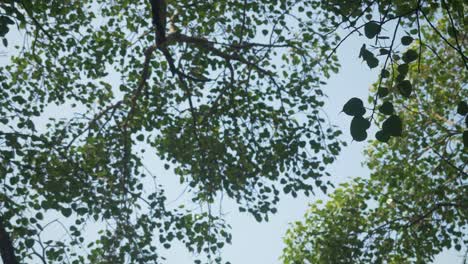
[[462, 108], [406, 40], [405, 87], [382, 92], [359, 135], [66, 212], [39, 216], [393, 126], [4, 20], [354, 107], [384, 51], [369, 57], [359, 125], [403, 69], [382, 136], [385, 73], [372, 62], [371, 29], [410, 56], [29, 243], [386, 108]]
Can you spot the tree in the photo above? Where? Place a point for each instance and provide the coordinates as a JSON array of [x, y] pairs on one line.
[[201, 91], [226, 92], [414, 204]]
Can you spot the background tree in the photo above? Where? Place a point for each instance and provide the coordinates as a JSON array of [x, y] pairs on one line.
[[414, 204]]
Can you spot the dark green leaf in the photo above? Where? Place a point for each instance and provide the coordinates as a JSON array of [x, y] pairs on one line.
[[406, 40], [359, 135], [66, 212], [405, 88], [371, 29], [393, 126], [359, 125], [354, 107], [386, 108], [382, 92], [382, 136], [29, 243], [410, 56], [462, 108], [385, 73], [372, 62], [403, 69]]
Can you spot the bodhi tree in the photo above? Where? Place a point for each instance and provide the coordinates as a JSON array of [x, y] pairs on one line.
[[414, 205], [231, 103], [226, 93]]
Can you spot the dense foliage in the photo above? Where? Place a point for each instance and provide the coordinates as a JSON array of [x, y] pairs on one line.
[[202, 92], [414, 205], [226, 93]]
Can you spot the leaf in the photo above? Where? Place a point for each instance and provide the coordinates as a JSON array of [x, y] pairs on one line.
[[462, 108], [372, 62], [39, 216], [29, 243], [82, 210], [406, 40], [405, 88], [66, 212], [3, 30], [386, 108], [368, 56], [384, 51], [382, 136], [354, 107], [403, 69], [410, 56], [359, 125], [359, 135], [371, 29], [6, 20], [382, 92], [385, 73], [393, 126]]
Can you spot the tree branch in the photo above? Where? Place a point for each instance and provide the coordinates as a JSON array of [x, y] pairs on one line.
[[6, 247]]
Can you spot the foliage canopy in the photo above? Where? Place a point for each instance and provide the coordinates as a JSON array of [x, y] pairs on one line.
[[227, 93], [414, 204]]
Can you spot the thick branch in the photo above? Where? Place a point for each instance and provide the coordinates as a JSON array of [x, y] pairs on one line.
[[6, 247], [158, 10]]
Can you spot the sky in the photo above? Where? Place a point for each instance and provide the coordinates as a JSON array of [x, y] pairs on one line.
[[261, 243]]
